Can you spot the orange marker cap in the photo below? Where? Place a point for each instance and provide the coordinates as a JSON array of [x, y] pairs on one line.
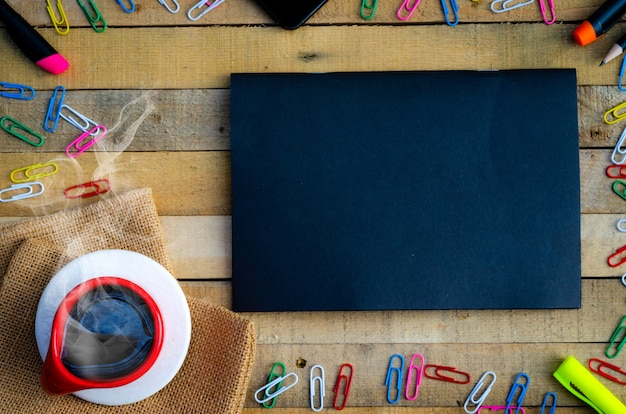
[[585, 34]]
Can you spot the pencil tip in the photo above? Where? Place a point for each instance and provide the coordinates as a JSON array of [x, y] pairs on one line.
[[602, 63]]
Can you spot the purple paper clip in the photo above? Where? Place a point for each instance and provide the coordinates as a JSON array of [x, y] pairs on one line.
[[95, 135]]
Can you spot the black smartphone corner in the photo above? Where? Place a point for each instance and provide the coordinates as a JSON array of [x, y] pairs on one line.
[[291, 14]]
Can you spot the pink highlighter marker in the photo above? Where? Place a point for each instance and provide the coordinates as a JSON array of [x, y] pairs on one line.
[[31, 42]]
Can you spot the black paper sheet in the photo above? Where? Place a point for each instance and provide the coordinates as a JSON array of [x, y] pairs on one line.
[[405, 190]]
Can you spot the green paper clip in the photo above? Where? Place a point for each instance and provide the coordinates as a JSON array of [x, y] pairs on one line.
[[273, 375], [95, 18], [21, 131], [580, 382], [619, 333]]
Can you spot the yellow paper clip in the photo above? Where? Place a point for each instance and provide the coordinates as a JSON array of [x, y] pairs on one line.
[[62, 26], [612, 350], [580, 382], [614, 115], [33, 172]]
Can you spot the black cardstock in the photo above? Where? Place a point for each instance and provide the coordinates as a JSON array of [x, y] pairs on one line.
[[405, 190]]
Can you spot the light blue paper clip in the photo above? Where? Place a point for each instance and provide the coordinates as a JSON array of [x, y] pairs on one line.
[[203, 3], [129, 9], [30, 187], [446, 12], [389, 380]]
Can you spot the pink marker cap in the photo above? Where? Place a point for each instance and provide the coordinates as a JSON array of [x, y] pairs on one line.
[[54, 64]]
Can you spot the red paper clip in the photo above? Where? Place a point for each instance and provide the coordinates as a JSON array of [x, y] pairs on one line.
[[419, 372], [619, 252], [438, 376], [346, 391], [616, 171], [602, 364], [99, 187]]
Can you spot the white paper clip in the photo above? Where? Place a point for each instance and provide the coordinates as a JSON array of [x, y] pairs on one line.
[[620, 149], [267, 387], [313, 384], [170, 9], [500, 6], [83, 123], [209, 6], [477, 402], [30, 187]]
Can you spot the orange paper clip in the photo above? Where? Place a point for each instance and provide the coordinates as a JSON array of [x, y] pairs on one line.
[[90, 189], [459, 377], [617, 258], [419, 372], [346, 389], [596, 365]]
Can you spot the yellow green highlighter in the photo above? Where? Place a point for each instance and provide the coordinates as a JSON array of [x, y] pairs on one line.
[[580, 382]]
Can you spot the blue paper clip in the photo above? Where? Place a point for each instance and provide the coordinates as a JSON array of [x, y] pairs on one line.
[[21, 131], [30, 187], [614, 338], [552, 406], [406, 9], [175, 9], [455, 12], [95, 18], [620, 82], [368, 9], [278, 383], [54, 109], [317, 381], [129, 9], [23, 92], [202, 3], [523, 388], [478, 401], [389, 380]]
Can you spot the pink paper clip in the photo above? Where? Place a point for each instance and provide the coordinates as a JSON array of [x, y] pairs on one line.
[[544, 13], [617, 258], [437, 374], [597, 368], [97, 187], [341, 377], [97, 133], [419, 372], [406, 9], [499, 408]]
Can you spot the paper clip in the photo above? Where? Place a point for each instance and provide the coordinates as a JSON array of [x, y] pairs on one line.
[[23, 92], [496, 408], [620, 82], [33, 172], [368, 9], [438, 376], [209, 6], [30, 187], [552, 406], [58, 23], [273, 376], [96, 133], [389, 380], [83, 123], [624, 279], [129, 9], [346, 390], [53, 114], [614, 115], [597, 368], [617, 258], [317, 382], [544, 13], [523, 387], [619, 149], [95, 18], [97, 187], [615, 337], [419, 372], [455, 12], [169, 9], [619, 225], [504, 5], [619, 188], [21, 131], [478, 401], [406, 9], [280, 388], [616, 171]]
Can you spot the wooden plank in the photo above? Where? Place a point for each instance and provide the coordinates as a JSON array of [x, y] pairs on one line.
[[204, 57], [602, 309], [334, 12], [136, 120], [401, 410], [371, 361]]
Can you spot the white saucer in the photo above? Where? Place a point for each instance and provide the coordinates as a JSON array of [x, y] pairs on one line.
[[158, 283]]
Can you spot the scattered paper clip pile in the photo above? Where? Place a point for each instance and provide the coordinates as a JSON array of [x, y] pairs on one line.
[[280, 381], [25, 179], [451, 13]]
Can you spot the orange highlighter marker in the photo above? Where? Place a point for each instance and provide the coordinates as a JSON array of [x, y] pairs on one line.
[[600, 21]]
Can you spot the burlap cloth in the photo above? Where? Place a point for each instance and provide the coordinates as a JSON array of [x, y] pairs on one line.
[[215, 374]]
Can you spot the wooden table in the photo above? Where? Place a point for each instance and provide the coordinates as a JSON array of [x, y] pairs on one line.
[[162, 81]]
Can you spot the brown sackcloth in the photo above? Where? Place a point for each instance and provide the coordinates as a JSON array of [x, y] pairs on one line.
[[215, 374]]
